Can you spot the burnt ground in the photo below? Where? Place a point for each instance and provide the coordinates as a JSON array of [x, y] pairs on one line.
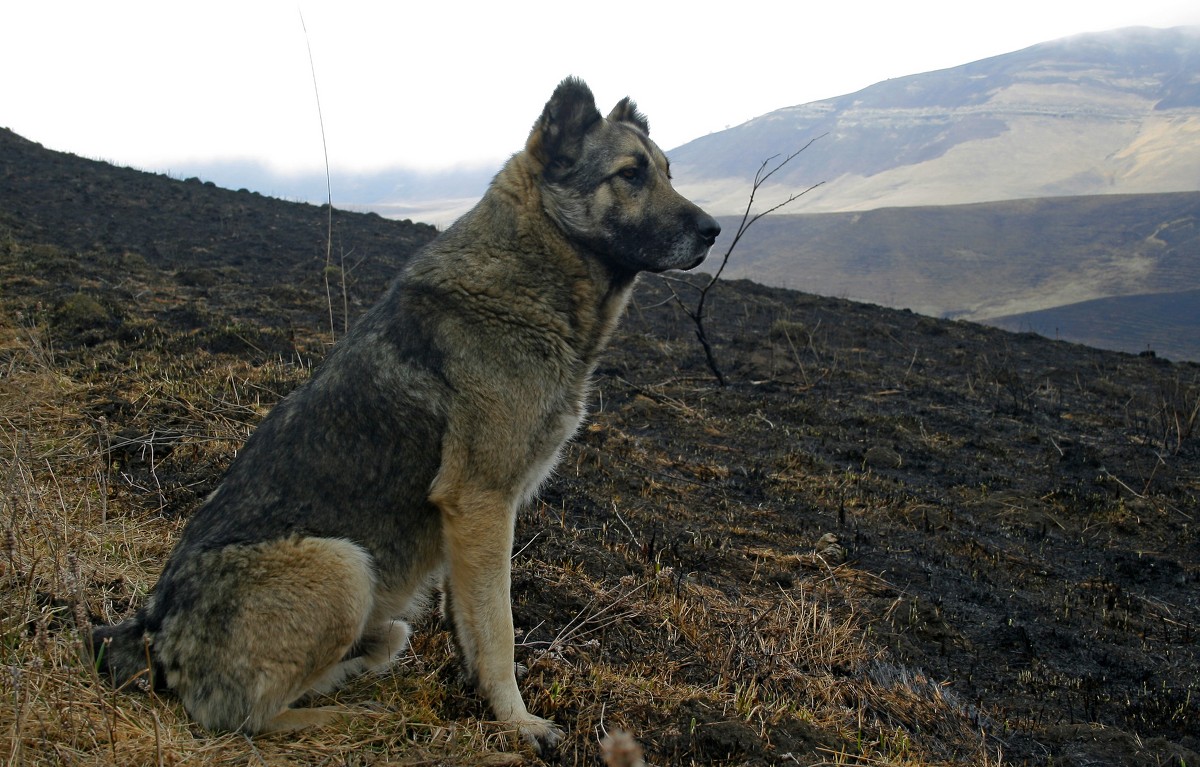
[[1028, 506], [1015, 517]]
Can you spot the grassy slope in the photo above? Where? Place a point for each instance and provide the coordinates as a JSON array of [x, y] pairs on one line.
[[1013, 580], [1165, 323], [107, 444]]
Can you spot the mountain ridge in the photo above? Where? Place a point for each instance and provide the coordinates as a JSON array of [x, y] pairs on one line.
[[981, 261], [1113, 112]]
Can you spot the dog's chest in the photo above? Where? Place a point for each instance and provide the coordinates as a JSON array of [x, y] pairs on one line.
[[571, 409], [559, 428]]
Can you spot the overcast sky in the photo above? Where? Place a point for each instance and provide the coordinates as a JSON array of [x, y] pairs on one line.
[[165, 86]]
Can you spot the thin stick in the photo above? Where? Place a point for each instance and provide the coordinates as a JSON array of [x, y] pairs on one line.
[[328, 186], [697, 315]]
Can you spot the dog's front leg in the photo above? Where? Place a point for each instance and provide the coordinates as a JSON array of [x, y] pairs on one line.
[[478, 530]]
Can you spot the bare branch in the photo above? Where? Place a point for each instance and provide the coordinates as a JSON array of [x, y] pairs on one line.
[[764, 172]]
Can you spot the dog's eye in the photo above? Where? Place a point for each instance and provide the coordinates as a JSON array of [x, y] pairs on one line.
[[630, 174]]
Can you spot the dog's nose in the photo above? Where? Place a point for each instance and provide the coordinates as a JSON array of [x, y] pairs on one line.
[[709, 229]]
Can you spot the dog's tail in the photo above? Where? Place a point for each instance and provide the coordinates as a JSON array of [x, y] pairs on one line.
[[121, 652]]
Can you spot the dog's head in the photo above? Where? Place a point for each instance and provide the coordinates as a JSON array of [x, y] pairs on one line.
[[608, 186]]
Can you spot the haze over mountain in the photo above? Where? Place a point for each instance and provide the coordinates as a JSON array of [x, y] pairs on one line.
[[1113, 112], [1104, 113], [433, 197]]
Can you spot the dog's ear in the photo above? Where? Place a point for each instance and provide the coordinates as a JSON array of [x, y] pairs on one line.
[[557, 137], [627, 112]]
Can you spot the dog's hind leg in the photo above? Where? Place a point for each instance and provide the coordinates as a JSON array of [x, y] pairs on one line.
[[478, 533], [383, 643], [375, 652], [274, 621]]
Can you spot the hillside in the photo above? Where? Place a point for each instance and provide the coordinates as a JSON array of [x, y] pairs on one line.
[[992, 260], [1165, 323], [89, 207], [1108, 113], [891, 540]]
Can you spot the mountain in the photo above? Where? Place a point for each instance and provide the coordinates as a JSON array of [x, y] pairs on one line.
[[1059, 175], [1164, 323], [988, 261], [1114, 112]]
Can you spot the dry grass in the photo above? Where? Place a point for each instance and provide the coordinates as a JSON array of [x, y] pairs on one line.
[[89, 516]]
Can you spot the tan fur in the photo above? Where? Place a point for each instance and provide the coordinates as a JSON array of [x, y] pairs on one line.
[[306, 601]]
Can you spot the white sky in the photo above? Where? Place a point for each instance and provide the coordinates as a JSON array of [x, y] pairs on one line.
[[166, 85]]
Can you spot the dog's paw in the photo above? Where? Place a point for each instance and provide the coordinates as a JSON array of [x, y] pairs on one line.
[[540, 733]]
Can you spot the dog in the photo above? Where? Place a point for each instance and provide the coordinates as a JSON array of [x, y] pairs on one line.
[[401, 464]]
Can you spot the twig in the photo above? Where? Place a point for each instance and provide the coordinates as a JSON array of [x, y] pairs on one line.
[[636, 542], [697, 315], [328, 186], [575, 627]]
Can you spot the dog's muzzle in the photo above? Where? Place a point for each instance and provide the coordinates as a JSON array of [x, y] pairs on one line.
[[708, 229]]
